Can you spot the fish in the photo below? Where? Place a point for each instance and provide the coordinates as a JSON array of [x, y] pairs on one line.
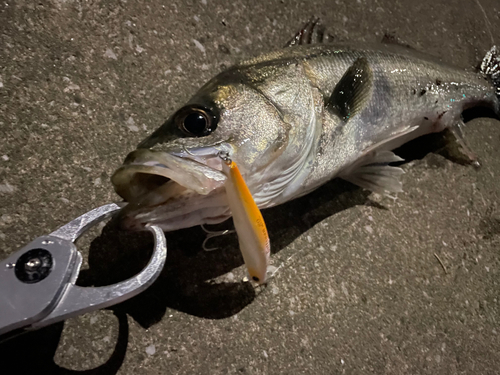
[[294, 119], [248, 222]]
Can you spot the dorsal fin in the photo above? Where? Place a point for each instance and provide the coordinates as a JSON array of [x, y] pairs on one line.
[[313, 32], [391, 38], [352, 91]]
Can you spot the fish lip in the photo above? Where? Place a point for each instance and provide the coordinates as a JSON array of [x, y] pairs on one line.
[[133, 180]]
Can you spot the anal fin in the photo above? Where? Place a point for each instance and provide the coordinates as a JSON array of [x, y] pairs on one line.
[[457, 148], [374, 173]]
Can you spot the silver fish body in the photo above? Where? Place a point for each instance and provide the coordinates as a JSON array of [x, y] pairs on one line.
[[293, 120]]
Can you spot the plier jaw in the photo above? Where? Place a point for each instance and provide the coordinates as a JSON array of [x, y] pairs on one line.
[[37, 283]]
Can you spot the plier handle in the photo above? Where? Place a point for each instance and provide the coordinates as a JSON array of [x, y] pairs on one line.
[[37, 283]]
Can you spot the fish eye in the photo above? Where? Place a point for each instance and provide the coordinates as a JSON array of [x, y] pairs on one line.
[[195, 121], [255, 278]]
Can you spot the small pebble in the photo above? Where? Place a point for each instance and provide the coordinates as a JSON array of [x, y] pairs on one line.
[[131, 125], [110, 54], [5, 218], [71, 87], [199, 46], [7, 188]]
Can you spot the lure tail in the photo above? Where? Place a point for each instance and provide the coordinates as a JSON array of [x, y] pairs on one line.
[[490, 67]]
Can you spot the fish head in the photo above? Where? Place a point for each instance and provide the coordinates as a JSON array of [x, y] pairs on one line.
[[174, 178]]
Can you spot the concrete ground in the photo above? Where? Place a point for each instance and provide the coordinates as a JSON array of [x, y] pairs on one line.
[[366, 285]]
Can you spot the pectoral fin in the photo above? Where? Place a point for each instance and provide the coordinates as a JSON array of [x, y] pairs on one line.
[[352, 91], [374, 173]]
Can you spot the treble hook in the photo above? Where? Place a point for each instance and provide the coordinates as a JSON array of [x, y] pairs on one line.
[[224, 155], [187, 151], [212, 234]]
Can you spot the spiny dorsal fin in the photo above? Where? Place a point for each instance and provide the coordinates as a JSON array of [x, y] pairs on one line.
[[313, 32], [353, 90]]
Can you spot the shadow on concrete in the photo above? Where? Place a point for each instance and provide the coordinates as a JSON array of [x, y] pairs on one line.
[[117, 255], [185, 284], [33, 352]]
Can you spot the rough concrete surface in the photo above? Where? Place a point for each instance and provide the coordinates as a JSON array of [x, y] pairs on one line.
[[367, 284]]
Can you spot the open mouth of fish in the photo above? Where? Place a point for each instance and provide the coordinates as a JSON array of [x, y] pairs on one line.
[[171, 191]]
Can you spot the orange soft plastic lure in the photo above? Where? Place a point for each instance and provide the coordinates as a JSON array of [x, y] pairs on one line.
[[248, 221]]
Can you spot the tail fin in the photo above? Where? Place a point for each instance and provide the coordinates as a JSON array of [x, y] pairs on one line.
[[490, 67]]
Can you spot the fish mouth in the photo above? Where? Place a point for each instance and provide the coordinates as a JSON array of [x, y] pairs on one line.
[[171, 190]]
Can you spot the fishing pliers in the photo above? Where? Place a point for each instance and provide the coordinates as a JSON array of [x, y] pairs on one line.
[[37, 283]]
